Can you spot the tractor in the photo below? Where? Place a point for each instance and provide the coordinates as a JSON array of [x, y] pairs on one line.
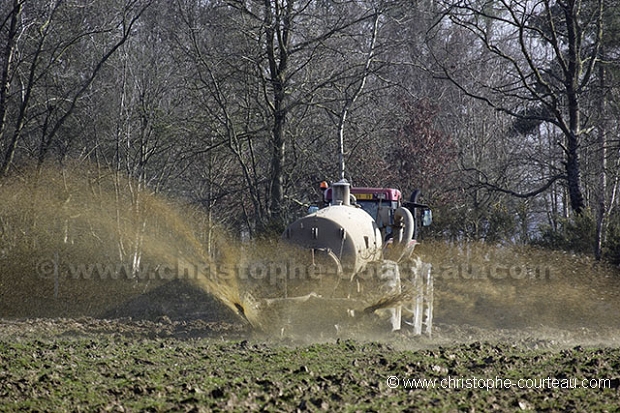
[[356, 256]]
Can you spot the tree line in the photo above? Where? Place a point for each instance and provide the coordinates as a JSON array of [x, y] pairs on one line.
[[503, 112]]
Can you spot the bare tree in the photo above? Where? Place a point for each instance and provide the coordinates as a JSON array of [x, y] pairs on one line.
[[62, 48], [12, 25], [268, 77], [548, 50]]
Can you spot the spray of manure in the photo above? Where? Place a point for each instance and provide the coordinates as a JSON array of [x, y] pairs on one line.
[[78, 240], [82, 241], [509, 287]]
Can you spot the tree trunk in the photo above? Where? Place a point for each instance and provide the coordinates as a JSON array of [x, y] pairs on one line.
[[573, 71], [573, 175], [277, 27], [277, 161], [9, 52], [601, 210]]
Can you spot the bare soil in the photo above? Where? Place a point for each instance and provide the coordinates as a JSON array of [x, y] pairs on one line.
[[176, 349]]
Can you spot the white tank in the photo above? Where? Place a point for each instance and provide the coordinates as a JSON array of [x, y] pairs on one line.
[[346, 232]]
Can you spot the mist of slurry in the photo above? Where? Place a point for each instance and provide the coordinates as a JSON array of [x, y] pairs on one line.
[[523, 288], [81, 241], [77, 241]]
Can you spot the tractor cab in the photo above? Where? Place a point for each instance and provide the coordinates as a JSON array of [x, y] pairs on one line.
[[382, 205]]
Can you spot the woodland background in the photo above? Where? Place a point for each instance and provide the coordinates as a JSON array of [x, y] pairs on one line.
[[505, 113]]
